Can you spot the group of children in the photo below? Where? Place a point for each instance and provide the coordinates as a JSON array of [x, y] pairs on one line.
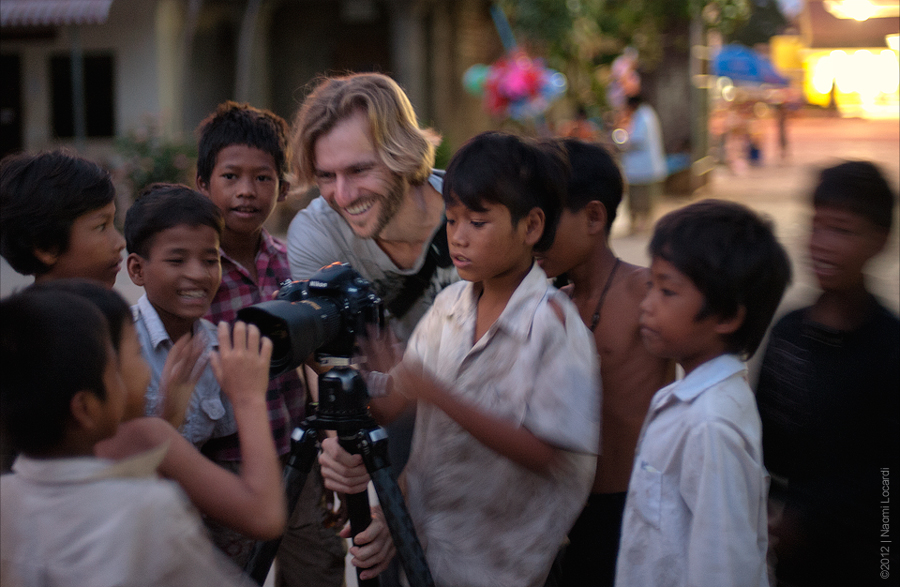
[[544, 418]]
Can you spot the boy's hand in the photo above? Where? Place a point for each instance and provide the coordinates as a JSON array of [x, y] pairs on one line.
[[184, 366], [372, 548], [342, 471], [381, 350], [413, 382], [241, 365]]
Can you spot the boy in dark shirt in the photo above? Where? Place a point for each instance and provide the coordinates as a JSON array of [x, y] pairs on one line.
[[828, 394]]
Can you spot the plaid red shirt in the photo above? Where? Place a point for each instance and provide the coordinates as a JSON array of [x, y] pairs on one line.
[[286, 396]]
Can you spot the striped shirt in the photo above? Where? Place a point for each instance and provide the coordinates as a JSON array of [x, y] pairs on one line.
[[286, 395]]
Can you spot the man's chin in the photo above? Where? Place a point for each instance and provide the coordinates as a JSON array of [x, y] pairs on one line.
[[370, 228], [364, 232]]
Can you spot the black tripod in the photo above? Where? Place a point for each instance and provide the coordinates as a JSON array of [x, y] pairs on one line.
[[343, 407]]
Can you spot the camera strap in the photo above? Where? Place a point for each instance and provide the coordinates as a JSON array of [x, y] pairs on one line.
[[415, 285]]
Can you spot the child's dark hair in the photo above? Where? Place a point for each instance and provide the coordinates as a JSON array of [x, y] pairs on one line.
[[162, 206], [732, 256], [41, 195], [860, 187], [54, 344], [110, 303], [594, 175], [518, 173], [242, 124]]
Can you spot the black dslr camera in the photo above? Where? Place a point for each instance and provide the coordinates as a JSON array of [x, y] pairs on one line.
[[324, 313]]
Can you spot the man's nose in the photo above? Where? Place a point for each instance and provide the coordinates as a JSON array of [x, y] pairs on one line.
[[343, 191]]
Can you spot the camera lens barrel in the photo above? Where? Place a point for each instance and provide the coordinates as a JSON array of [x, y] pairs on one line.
[[324, 313], [295, 328]]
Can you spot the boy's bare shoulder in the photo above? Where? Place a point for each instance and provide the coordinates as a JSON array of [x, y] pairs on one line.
[[638, 279]]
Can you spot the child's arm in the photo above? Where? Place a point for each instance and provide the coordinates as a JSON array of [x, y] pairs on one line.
[[232, 500], [507, 438], [242, 368], [252, 503], [345, 473], [382, 352]]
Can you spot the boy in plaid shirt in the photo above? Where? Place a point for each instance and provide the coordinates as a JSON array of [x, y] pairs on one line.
[[241, 166]]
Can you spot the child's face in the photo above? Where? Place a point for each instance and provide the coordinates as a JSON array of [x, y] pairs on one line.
[[244, 185], [181, 274], [668, 321], [486, 245], [95, 249], [840, 245], [571, 245], [134, 370], [354, 180]]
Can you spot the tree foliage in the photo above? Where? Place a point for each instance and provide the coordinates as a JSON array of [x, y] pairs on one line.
[[581, 38]]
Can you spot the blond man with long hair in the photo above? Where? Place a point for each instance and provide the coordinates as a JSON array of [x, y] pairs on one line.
[[357, 140]]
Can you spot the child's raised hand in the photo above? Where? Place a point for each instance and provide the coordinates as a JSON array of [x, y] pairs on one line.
[[184, 365], [241, 365]]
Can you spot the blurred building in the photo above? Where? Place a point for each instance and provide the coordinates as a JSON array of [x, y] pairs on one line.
[[846, 56], [172, 61]]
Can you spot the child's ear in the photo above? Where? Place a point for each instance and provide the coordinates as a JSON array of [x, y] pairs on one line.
[[726, 326], [534, 226], [202, 186], [283, 187], [85, 407], [596, 215], [47, 256], [135, 265]]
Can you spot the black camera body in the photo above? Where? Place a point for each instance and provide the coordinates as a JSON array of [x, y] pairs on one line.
[[323, 314]]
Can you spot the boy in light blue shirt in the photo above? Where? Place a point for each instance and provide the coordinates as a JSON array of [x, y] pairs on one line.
[[172, 234]]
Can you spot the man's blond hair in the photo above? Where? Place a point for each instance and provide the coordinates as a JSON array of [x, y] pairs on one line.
[[404, 147]]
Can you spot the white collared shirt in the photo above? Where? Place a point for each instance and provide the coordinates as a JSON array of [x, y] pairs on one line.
[[88, 522], [483, 519], [209, 414], [695, 514]]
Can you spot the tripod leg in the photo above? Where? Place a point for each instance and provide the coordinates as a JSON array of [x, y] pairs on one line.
[[303, 453], [359, 512], [372, 445], [412, 557]]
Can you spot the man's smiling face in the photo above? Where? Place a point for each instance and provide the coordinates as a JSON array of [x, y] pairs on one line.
[[354, 180]]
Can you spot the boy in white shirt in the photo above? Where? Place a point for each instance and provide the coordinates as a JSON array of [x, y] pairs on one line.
[[695, 514], [66, 517], [505, 375]]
